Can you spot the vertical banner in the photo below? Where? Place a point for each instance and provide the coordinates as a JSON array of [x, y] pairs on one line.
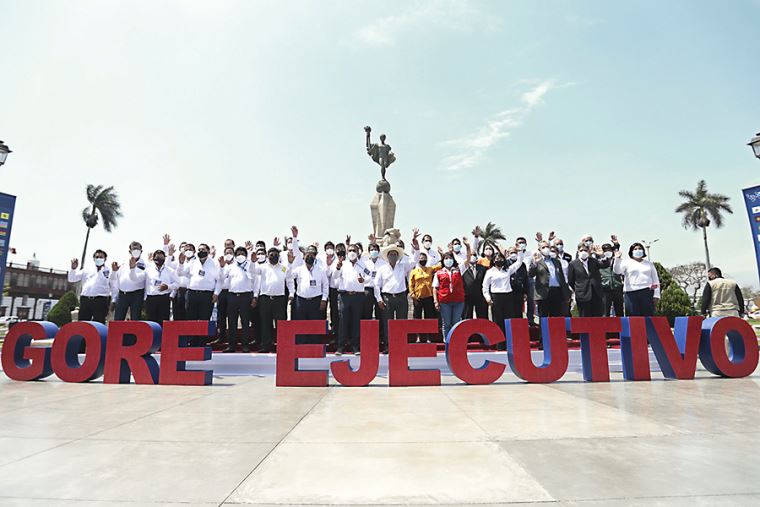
[[7, 206], [752, 201]]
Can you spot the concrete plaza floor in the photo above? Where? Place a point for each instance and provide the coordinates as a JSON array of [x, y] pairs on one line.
[[244, 441]]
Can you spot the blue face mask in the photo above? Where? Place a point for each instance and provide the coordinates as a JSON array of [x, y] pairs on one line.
[[638, 253], [374, 254], [457, 248], [448, 262]]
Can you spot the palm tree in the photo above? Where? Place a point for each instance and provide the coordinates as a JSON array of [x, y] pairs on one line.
[[104, 203], [490, 236], [699, 207]]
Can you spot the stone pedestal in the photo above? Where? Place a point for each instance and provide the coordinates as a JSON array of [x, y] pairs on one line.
[[383, 209]]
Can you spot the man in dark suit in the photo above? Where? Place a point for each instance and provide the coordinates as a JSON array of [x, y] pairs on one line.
[[584, 277], [551, 291], [473, 291]]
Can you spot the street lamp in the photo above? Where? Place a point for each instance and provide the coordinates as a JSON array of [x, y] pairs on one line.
[[754, 143], [648, 244], [4, 150]]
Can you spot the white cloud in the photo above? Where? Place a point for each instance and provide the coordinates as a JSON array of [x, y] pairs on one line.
[[455, 15], [473, 147]]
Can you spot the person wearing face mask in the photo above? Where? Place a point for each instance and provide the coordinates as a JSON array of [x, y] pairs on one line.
[[448, 293], [390, 287], [497, 286], [524, 285], [351, 274], [203, 286], [273, 301], [421, 291], [243, 286], [329, 259], [160, 281], [374, 262], [180, 298], [223, 299], [259, 257], [585, 279], [427, 246], [129, 291], [641, 285], [721, 297], [560, 245], [550, 289], [612, 285], [96, 287], [312, 291]]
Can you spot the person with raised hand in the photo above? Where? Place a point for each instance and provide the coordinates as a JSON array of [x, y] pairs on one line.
[[96, 287], [641, 284]]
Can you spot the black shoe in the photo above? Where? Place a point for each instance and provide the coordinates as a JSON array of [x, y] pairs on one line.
[[229, 349], [246, 349], [385, 351], [339, 351]]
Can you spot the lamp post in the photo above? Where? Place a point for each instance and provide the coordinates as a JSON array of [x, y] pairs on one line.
[[754, 143], [648, 245], [4, 150]]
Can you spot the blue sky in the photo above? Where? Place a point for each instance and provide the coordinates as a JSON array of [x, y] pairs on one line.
[[217, 119]]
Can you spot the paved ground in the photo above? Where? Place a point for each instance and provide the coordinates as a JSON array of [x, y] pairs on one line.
[[571, 443]]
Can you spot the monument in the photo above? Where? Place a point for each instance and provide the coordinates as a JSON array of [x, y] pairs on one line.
[[382, 207]]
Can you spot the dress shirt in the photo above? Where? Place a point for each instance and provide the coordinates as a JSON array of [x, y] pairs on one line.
[[373, 265], [553, 280], [155, 277], [330, 270], [392, 279], [311, 283], [432, 255], [273, 278], [97, 281], [497, 281], [348, 275], [240, 278], [638, 275], [123, 281], [201, 275], [421, 282]]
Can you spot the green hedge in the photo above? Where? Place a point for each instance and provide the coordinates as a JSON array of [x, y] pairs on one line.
[[60, 314]]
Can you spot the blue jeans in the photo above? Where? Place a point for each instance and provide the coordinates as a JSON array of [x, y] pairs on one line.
[[451, 313]]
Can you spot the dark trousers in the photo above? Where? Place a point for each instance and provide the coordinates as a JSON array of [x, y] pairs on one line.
[[255, 327], [198, 306], [238, 307], [157, 308], [591, 308], [334, 311], [178, 305], [530, 304], [94, 308], [132, 301], [424, 308], [307, 309], [553, 305], [271, 309], [221, 314], [613, 299], [639, 303], [370, 309], [350, 319], [475, 304], [517, 299], [396, 307], [504, 307]]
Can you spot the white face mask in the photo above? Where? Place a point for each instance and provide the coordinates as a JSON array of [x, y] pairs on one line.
[[589, 242], [513, 257], [352, 256], [427, 244], [583, 255], [240, 259], [560, 248], [189, 254], [521, 246], [290, 246], [553, 255], [99, 261], [228, 257], [473, 259], [488, 252], [330, 252], [136, 253], [638, 253], [608, 255], [545, 251], [261, 258], [457, 248]]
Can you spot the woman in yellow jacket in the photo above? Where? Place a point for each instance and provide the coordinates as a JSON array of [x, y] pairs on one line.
[[421, 290]]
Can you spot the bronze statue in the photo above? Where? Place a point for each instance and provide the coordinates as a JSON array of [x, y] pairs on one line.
[[380, 152]]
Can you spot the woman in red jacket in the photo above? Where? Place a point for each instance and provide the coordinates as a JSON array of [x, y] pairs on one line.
[[448, 293]]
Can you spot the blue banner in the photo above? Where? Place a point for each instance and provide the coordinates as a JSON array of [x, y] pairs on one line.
[[752, 201], [7, 206]]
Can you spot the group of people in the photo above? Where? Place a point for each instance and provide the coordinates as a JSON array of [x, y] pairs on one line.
[[253, 286]]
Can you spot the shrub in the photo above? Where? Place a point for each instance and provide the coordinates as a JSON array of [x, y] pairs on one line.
[[674, 302], [60, 314]]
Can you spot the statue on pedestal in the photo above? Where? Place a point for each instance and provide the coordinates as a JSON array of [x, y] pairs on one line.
[[383, 207], [382, 155]]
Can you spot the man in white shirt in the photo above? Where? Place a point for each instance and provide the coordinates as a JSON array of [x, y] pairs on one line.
[[329, 259], [390, 287], [221, 303], [160, 281], [259, 256], [373, 262], [432, 254], [351, 275], [312, 290], [96, 288], [202, 287], [129, 291], [242, 297], [272, 303]]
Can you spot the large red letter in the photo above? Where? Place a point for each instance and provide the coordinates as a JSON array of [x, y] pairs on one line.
[[288, 353], [65, 355], [676, 351], [593, 331], [634, 348], [742, 342], [554, 340], [456, 351], [129, 346], [370, 359], [173, 356], [400, 350], [22, 362]]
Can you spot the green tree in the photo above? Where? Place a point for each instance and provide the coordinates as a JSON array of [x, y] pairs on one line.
[[490, 236], [664, 275], [701, 208], [60, 314], [104, 204], [674, 302]]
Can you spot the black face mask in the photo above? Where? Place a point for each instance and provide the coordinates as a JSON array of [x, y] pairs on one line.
[[159, 262], [202, 254], [341, 253], [423, 262], [274, 258], [309, 260], [499, 262]]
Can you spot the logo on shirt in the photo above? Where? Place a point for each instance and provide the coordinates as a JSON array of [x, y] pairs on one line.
[[756, 209]]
